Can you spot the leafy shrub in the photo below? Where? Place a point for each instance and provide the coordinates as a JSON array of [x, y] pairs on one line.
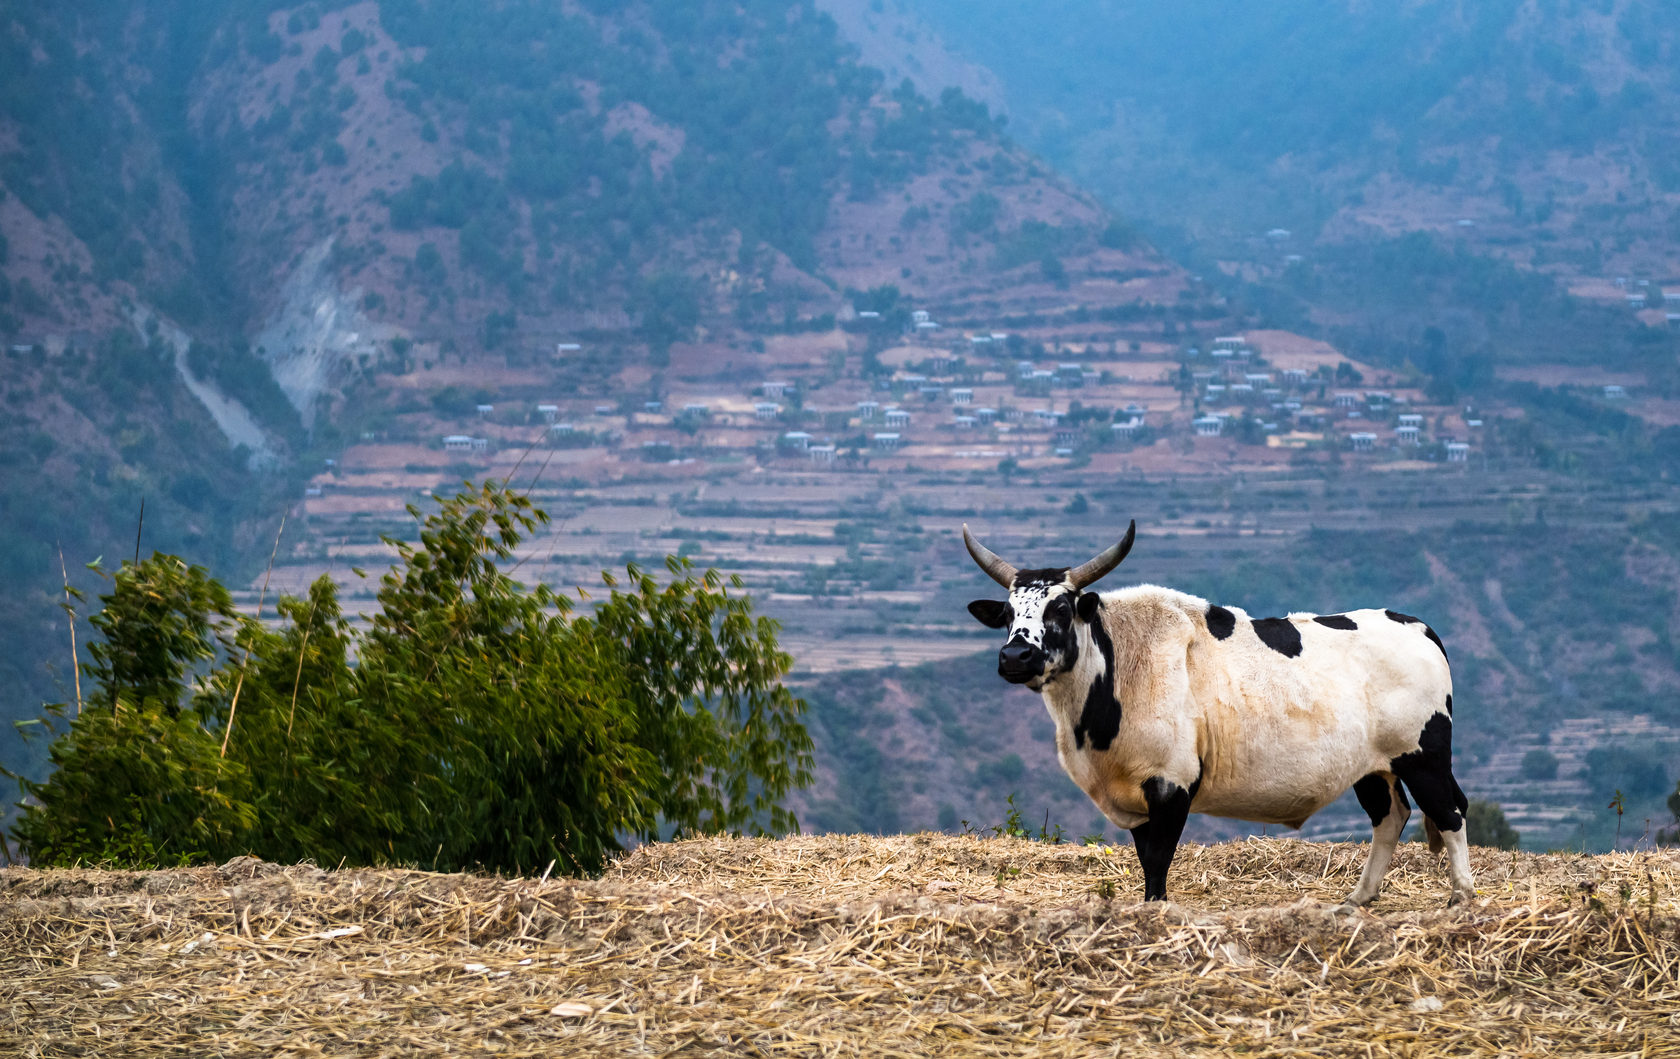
[[479, 725]]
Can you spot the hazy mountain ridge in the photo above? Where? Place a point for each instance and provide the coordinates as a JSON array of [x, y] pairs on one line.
[[1343, 119]]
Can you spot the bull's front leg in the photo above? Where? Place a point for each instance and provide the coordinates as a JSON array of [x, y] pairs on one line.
[[1156, 839]]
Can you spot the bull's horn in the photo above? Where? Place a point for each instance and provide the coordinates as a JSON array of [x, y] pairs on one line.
[[1089, 572], [993, 564]]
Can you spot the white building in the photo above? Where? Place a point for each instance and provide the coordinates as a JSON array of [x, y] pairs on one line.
[[821, 454], [1362, 441], [1406, 435], [962, 396], [548, 412], [797, 439], [1458, 452], [767, 410], [1208, 426], [887, 442], [896, 417], [774, 389]]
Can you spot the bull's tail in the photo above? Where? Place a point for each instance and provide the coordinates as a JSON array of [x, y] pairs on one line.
[[1433, 834]]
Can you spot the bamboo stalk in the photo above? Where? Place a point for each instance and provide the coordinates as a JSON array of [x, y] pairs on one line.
[[75, 659], [245, 662]]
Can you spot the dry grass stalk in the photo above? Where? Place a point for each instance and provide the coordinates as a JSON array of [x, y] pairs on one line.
[[847, 945]]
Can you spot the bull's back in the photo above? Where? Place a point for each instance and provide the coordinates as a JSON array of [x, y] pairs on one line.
[[1291, 711]]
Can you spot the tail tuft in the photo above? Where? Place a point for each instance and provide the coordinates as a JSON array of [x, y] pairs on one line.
[[1433, 834]]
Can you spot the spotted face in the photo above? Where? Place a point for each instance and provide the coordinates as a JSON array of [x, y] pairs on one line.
[[1040, 618]]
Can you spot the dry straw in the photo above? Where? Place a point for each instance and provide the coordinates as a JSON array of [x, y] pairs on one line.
[[909, 945]]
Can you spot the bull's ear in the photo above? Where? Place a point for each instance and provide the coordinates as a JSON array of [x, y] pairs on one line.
[[993, 614], [1088, 606]]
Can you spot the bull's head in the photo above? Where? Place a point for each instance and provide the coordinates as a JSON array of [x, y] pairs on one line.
[[1042, 608]]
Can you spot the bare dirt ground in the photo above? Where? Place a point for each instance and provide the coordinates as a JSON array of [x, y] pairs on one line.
[[906, 945]]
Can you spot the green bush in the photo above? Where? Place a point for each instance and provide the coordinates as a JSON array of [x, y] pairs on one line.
[[476, 724]]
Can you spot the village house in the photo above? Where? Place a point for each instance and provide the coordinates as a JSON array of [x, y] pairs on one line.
[[767, 410], [896, 417], [868, 410], [485, 410], [1208, 426], [465, 443], [1362, 441], [797, 439], [886, 441], [821, 454], [548, 412], [962, 396], [1406, 435], [1458, 452]]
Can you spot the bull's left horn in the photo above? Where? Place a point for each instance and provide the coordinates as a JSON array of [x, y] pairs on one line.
[[1090, 572], [993, 564]]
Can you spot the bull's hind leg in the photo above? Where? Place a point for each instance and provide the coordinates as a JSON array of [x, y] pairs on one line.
[[1427, 774], [1382, 799]]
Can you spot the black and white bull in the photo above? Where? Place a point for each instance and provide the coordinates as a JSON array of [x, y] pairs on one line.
[[1166, 704]]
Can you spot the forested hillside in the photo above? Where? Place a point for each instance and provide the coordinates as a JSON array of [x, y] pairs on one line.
[[218, 223]]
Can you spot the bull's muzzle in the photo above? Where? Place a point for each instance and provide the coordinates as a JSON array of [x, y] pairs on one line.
[[1020, 662]]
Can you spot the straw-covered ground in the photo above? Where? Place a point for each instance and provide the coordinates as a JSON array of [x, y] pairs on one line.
[[909, 945]]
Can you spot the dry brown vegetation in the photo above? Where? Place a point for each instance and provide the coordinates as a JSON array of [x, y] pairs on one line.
[[908, 945]]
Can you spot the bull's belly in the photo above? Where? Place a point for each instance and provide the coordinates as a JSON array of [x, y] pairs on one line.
[[1288, 799]]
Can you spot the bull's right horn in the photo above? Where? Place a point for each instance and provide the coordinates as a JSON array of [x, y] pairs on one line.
[[1087, 572], [993, 564]]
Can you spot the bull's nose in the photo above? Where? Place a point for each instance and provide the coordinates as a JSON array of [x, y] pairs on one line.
[[1019, 662]]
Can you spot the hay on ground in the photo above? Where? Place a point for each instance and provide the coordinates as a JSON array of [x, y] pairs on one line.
[[907, 945]]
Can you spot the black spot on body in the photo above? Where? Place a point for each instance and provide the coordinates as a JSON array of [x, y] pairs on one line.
[[1375, 797], [1427, 773], [1427, 631], [1337, 621], [1100, 720], [1280, 634], [1221, 622], [991, 613], [1449, 705], [1407, 619]]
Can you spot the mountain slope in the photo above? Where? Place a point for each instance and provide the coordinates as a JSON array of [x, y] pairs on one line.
[[224, 228]]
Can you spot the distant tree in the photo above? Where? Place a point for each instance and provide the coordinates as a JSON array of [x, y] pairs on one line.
[[1486, 826], [1670, 836], [1540, 764]]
